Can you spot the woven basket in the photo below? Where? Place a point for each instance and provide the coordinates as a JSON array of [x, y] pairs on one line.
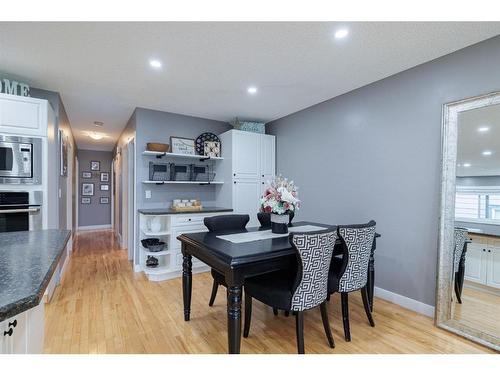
[[160, 147]]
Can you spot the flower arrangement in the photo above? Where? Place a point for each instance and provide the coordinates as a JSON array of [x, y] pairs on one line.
[[280, 197]]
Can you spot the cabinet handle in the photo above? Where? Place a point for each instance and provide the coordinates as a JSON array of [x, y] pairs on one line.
[[189, 219], [262, 175], [13, 324], [489, 251], [9, 332], [484, 249], [235, 182], [262, 182], [234, 174]]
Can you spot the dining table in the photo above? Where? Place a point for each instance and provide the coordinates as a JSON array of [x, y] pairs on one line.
[[242, 254]]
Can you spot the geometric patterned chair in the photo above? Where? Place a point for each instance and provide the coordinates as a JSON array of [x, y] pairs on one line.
[[350, 273], [223, 223], [460, 241], [297, 290]]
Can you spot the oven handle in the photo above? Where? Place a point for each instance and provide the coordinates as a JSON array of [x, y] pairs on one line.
[[19, 210]]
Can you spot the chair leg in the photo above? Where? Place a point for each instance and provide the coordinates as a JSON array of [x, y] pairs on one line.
[[248, 314], [326, 324], [344, 297], [457, 288], [287, 313], [215, 286], [275, 311], [299, 327], [328, 297], [366, 304]]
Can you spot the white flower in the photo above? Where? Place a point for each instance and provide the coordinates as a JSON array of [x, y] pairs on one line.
[[287, 196]]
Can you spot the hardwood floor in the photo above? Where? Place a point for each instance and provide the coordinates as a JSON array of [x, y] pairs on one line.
[[102, 306], [479, 309]]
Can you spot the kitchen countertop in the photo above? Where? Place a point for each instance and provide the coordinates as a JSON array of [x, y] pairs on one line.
[[168, 211], [27, 262]]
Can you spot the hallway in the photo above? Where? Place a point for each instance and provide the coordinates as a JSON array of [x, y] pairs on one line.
[[102, 306]]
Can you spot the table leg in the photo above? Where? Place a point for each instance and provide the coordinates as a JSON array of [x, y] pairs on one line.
[[234, 318], [187, 284]]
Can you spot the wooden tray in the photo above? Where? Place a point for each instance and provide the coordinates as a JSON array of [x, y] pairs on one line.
[[187, 208]]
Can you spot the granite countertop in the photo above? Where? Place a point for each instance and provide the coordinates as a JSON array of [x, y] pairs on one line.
[[27, 262], [168, 211]]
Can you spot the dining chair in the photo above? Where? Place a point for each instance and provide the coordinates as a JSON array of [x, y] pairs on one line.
[[350, 273], [223, 223], [460, 236], [297, 290], [264, 220]]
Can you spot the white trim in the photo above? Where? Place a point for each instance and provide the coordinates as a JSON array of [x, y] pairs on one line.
[[478, 221], [465, 188], [94, 227], [405, 302]]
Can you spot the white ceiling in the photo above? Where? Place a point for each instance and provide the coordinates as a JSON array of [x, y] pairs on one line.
[[102, 71], [471, 142]]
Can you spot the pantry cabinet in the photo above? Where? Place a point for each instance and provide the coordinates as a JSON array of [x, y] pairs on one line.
[[482, 261], [249, 162]]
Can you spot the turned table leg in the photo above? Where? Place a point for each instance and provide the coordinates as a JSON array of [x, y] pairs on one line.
[[187, 284], [234, 318]]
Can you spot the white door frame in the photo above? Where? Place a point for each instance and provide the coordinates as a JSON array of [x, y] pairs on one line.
[[131, 198], [77, 191]]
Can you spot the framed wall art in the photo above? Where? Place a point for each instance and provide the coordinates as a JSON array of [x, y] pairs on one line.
[[183, 146], [104, 200], [104, 187], [104, 177], [87, 189], [95, 165], [86, 200], [86, 174]]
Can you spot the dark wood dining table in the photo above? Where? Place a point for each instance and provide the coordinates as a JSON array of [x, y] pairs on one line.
[[238, 261]]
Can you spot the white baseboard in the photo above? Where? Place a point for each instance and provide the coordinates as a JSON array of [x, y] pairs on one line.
[[94, 227], [405, 302]]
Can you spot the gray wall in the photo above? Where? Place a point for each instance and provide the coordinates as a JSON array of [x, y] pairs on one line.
[[157, 126], [374, 153], [94, 213]]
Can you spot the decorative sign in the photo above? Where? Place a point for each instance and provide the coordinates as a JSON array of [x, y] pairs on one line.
[[183, 146], [12, 87]]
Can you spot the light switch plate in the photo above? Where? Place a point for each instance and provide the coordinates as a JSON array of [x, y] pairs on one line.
[[148, 194]]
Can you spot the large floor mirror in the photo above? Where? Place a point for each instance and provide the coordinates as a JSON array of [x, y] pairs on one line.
[[468, 290]]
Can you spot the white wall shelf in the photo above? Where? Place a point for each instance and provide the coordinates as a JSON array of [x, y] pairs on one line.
[[155, 253], [180, 156], [183, 182], [156, 270]]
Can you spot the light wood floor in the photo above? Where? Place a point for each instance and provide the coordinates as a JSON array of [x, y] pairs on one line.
[[479, 309], [102, 306]]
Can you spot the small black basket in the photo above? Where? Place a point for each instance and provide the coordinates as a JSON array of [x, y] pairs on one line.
[[202, 173], [180, 172]]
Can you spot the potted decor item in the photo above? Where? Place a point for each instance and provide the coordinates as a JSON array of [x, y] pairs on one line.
[[280, 199]]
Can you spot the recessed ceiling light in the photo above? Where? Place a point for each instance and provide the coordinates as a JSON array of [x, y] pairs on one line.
[[487, 153], [252, 90], [466, 165], [155, 63], [483, 129], [341, 33], [98, 123], [95, 135]]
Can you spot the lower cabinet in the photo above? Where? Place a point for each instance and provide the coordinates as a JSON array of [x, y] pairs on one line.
[[23, 333], [482, 261]]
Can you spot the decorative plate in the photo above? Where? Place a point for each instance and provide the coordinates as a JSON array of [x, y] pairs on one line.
[[200, 142]]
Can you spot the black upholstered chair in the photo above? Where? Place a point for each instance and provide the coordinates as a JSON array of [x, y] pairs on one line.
[[350, 273], [264, 220], [461, 240], [223, 223], [297, 290]]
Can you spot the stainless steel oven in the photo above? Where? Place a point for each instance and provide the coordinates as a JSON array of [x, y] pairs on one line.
[[20, 210], [20, 160]]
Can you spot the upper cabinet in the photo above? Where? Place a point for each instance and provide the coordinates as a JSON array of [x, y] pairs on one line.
[[23, 115], [267, 156], [246, 154]]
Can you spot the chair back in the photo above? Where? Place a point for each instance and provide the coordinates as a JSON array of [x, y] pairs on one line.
[[226, 222], [460, 237], [264, 219], [357, 241], [314, 252]]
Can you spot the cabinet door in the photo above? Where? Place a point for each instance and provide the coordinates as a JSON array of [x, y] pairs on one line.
[[475, 263], [21, 116], [5, 340], [493, 278], [267, 157], [19, 337], [246, 196], [246, 155]]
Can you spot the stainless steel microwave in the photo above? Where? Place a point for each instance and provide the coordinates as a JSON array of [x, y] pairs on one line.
[[20, 160]]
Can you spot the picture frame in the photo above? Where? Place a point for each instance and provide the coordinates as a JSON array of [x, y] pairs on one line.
[[86, 174], [104, 177], [104, 200], [95, 165], [104, 187], [184, 146], [63, 154], [87, 189], [86, 200], [211, 149]]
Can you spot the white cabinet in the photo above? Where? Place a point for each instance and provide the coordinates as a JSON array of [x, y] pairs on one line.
[[482, 261], [493, 279], [475, 265], [249, 162], [23, 115], [23, 333]]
